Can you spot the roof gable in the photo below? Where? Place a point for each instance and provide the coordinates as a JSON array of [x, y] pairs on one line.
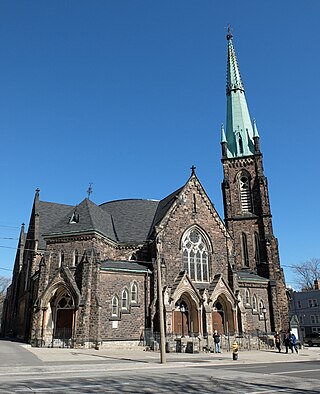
[[84, 217]]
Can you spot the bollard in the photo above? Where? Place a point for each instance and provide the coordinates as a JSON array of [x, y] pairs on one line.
[[235, 350]]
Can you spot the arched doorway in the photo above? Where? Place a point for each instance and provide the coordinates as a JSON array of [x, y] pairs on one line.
[[223, 316], [218, 320], [64, 317], [185, 317]]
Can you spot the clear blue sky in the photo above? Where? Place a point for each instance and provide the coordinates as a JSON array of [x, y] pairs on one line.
[[128, 94]]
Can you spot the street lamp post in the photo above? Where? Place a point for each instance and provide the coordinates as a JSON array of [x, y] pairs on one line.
[[182, 310], [163, 358], [264, 311]]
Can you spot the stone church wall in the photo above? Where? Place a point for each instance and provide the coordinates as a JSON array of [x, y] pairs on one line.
[[130, 324]]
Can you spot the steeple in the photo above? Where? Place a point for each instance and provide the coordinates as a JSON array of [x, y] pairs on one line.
[[239, 130]]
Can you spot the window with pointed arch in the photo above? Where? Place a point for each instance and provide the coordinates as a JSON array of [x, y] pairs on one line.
[[244, 246], [124, 299], [115, 306], [75, 258], [257, 248], [247, 297], [245, 192], [254, 302], [61, 258], [261, 308], [195, 255], [134, 293]]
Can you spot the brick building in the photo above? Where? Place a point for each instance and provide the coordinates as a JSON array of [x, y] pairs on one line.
[[88, 273]]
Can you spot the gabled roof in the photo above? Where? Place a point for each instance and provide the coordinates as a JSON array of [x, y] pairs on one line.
[[126, 266], [132, 218], [90, 218], [247, 277], [49, 214], [163, 207]]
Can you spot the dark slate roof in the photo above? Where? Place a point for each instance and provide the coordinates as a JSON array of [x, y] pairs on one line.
[[132, 218], [247, 276], [129, 221], [91, 218], [50, 213], [126, 266], [164, 206]]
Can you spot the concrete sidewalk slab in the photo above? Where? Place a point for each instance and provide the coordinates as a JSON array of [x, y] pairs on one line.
[[140, 355]]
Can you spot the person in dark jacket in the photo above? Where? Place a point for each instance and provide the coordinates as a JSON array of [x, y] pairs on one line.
[[216, 340], [286, 341], [277, 341]]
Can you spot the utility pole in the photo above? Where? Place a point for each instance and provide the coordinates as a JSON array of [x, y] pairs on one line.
[[161, 319]]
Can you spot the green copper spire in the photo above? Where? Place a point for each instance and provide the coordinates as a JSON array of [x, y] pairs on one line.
[[239, 130]]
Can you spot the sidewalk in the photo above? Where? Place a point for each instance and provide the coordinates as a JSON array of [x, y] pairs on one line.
[[138, 355]]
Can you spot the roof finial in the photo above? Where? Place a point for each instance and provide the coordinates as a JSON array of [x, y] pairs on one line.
[[193, 170], [90, 191], [229, 34]]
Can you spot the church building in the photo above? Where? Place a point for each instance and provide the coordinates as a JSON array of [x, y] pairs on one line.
[[87, 274]]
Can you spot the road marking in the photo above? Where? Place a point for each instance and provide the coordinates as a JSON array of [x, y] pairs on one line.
[[298, 371], [267, 391]]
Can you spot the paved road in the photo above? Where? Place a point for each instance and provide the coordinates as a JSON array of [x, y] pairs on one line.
[[15, 354], [34, 370], [202, 379]]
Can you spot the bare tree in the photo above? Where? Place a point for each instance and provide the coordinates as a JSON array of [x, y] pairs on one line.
[[307, 272], [4, 283]]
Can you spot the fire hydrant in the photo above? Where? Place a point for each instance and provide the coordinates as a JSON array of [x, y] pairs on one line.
[[235, 350]]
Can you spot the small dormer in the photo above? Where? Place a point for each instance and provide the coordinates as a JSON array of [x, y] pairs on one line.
[[75, 217]]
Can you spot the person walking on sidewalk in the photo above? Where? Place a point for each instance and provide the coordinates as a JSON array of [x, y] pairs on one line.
[[286, 341], [293, 341], [216, 340], [277, 340]]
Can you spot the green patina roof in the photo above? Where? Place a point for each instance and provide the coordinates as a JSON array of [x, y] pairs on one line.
[[239, 130]]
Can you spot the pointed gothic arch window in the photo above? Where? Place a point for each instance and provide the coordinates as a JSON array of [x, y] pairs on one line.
[[244, 246], [261, 307], [257, 248], [254, 302], [124, 299], [134, 293], [195, 255], [115, 306], [240, 145], [247, 297], [245, 193], [75, 258]]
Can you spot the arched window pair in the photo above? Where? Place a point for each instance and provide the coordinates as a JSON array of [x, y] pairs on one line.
[[195, 256], [124, 300], [254, 304]]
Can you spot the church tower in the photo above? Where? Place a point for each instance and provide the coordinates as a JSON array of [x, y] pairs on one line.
[[246, 198]]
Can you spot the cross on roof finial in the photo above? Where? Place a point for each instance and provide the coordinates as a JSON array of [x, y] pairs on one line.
[[229, 33], [90, 191], [193, 170]]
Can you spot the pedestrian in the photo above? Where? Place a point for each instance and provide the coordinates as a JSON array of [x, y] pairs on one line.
[[277, 340], [293, 341], [286, 341], [216, 340]]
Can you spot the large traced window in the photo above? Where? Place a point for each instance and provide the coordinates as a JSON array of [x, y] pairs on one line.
[[195, 256], [245, 194]]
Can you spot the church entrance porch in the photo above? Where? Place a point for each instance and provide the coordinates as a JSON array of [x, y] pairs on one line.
[[64, 320], [185, 318], [56, 320]]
